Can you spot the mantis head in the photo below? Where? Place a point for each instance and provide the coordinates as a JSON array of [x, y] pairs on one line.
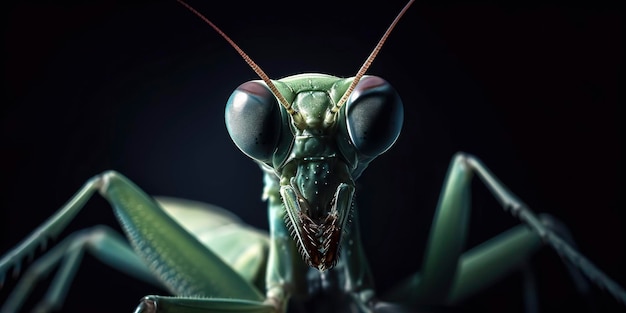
[[316, 154], [316, 133]]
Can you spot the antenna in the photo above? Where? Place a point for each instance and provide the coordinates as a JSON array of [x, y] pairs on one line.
[[298, 120], [370, 59], [257, 69]]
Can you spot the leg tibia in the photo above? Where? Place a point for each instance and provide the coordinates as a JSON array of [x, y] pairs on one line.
[[447, 277], [157, 304], [181, 261], [445, 242], [100, 241], [485, 264]]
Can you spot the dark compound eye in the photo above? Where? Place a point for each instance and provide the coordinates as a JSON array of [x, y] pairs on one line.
[[374, 116], [253, 120]]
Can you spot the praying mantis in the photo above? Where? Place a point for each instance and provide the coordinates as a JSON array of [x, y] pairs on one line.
[[140, 148]]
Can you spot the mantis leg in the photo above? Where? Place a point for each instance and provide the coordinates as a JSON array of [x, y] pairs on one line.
[[100, 241], [243, 247], [285, 274], [449, 275], [155, 304], [181, 261]]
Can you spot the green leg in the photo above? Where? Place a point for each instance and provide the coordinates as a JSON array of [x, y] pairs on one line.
[[156, 304], [549, 233], [179, 259], [50, 229], [447, 276], [243, 247], [285, 275], [358, 276], [445, 244], [100, 241], [484, 265]]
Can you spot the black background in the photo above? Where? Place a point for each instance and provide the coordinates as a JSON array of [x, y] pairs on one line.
[[531, 89]]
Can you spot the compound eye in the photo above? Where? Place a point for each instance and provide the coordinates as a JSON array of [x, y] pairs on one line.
[[374, 116], [253, 120]]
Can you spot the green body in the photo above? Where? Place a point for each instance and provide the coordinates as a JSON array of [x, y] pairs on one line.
[[212, 262], [311, 158], [313, 135]]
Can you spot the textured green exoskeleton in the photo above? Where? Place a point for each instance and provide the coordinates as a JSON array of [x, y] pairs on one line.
[[312, 164], [313, 135]]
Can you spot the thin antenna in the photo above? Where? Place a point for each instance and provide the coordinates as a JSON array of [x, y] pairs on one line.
[[370, 59], [251, 63]]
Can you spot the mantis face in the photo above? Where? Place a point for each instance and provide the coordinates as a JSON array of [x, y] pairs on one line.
[[299, 128], [316, 149]]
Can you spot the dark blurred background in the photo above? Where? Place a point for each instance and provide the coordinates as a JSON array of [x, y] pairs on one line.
[[531, 89]]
